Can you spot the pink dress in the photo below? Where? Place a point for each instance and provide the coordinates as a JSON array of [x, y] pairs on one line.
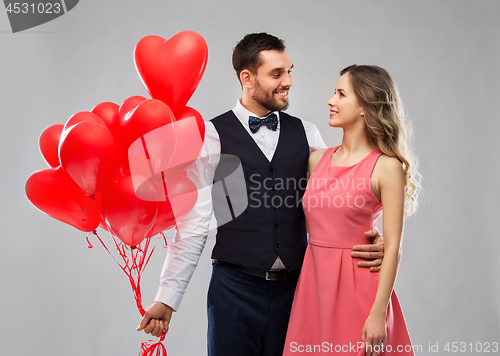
[[334, 296]]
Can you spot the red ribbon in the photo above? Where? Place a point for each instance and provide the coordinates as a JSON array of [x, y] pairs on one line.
[[135, 260]]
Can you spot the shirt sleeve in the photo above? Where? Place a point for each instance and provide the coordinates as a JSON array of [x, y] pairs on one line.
[[187, 245], [313, 136]]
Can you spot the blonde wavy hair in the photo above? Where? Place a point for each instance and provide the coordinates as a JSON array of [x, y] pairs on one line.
[[387, 126]]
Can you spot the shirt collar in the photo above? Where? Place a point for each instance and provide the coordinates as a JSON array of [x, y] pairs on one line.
[[243, 114]]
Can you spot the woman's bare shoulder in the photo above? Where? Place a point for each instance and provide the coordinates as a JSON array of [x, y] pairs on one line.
[[314, 158], [317, 154], [391, 164], [388, 167]]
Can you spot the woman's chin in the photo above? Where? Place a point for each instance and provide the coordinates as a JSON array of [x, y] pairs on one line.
[[334, 123]]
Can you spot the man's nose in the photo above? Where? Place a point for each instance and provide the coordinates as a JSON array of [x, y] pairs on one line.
[[287, 80]]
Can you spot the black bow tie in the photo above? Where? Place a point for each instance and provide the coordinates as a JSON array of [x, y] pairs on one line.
[[255, 123]]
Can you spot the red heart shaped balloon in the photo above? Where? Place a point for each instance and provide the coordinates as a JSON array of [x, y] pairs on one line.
[[189, 130], [49, 144], [181, 198], [166, 151], [146, 117], [54, 192], [128, 217], [128, 106], [150, 155], [87, 154], [113, 120], [146, 132], [81, 117], [108, 113], [189, 112], [171, 70]]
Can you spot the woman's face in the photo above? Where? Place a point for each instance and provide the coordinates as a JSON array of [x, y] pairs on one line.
[[344, 108]]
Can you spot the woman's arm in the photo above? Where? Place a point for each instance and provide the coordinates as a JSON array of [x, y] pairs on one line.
[[391, 183]]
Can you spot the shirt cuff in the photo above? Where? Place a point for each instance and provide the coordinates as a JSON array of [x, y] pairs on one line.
[[170, 297]]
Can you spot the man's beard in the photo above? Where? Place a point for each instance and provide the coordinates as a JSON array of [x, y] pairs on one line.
[[268, 101]]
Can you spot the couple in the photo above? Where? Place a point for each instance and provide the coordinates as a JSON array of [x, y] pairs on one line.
[[259, 254]]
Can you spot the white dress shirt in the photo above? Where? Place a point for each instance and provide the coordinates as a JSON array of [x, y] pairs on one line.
[[191, 234]]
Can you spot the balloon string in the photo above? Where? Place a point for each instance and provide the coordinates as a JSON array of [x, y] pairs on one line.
[[148, 158], [104, 245], [164, 239], [164, 185], [148, 347], [133, 267], [90, 245], [127, 268]]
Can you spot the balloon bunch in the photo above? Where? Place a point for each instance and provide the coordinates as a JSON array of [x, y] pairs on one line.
[[123, 167]]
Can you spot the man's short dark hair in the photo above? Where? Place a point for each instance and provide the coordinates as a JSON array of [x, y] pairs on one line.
[[246, 54]]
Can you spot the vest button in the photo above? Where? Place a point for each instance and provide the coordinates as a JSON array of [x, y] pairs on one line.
[[272, 170], [273, 189], [278, 246], [275, 207], [276, 226]]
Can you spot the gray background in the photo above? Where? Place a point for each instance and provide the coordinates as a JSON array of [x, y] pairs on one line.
[[60, 298]]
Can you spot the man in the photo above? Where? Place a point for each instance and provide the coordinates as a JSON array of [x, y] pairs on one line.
[[258, 253]]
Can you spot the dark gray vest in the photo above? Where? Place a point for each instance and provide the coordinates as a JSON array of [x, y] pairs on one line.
[[273, 224]]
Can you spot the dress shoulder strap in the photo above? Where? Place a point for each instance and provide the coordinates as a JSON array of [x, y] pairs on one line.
[[368, 164], [325, 159]]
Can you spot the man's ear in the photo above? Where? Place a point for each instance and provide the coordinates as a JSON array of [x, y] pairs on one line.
[[246, 78]]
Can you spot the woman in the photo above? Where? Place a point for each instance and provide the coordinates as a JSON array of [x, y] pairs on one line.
[[338, 307]]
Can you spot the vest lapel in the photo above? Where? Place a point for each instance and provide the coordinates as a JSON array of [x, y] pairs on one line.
[[281, 138], [250, 142]]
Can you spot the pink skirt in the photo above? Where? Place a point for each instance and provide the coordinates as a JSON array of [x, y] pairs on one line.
[[332, 301]]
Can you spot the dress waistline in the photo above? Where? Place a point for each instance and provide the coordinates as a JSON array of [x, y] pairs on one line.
[[339, 245]]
